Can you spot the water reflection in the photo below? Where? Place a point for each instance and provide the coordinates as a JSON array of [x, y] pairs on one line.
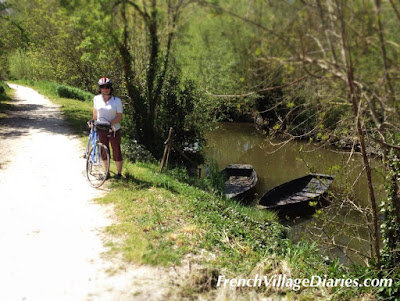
[[276, 163]]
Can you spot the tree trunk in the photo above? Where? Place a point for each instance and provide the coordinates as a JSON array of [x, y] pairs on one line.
[[137, 102], [153, 68], [355, 105]]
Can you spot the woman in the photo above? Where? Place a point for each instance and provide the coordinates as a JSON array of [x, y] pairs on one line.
[[107, 107]]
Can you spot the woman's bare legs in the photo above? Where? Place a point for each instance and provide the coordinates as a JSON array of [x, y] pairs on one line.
[[119, 166]]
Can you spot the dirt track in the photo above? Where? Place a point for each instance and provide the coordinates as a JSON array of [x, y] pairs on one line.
[[50, 232]]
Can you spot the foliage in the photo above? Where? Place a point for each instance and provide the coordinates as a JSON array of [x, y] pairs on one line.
[[3, 87], [20, 65], [215, 180], [220, 49], [393, 292], [74, 93], [4, 97], [135, 152], [53, 40], [59, 90], [216, 51], [390, 227], [178, 110]]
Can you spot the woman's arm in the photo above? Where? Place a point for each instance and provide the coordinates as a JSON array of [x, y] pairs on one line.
[[117, 119], [94, 114]]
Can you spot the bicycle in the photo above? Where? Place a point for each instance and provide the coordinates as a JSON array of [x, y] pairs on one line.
[[97, 155]]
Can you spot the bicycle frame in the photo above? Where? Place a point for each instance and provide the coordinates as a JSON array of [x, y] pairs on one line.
[[97, 157], [93, 136]]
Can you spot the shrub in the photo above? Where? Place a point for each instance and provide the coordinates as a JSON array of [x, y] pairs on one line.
[[3, 88], [135, 152], [74, 93]]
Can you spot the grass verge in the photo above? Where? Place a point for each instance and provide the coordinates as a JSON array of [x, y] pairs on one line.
[[163, 220]]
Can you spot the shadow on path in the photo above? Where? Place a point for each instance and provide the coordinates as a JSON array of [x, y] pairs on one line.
[[22, 117]]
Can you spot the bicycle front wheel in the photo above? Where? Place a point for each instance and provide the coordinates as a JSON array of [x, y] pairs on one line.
[[98, 165]]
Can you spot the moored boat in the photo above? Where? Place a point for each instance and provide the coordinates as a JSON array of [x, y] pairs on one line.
[[294, 197], [241, 180]]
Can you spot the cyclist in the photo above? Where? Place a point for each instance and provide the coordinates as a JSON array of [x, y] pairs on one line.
[[107, 107]]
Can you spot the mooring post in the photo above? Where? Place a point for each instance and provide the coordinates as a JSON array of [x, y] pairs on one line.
[[167, 150]]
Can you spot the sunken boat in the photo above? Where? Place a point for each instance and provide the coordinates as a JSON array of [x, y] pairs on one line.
[[298, 197], [240, 183]]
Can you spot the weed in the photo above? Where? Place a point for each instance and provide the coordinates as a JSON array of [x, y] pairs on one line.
[[215, 180]]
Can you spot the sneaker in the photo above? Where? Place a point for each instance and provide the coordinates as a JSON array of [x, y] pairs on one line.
[[118, 176]]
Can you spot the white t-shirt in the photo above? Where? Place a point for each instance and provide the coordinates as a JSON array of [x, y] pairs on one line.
[[107, 111]]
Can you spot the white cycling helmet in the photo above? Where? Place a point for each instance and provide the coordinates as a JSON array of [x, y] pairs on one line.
[[104, 81]]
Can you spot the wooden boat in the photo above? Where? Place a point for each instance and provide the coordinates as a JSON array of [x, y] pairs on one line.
[[293, 197], [241, 180]]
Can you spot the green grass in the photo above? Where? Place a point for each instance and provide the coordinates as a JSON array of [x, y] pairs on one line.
[[161, 219], [168, 217]]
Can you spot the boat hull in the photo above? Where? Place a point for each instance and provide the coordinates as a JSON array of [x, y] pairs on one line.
[[240, 183], [298, 197]]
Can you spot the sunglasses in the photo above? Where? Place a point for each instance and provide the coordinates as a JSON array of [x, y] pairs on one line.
[[105, 87]]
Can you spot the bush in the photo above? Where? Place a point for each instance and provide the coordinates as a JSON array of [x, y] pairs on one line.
[[3, 88], [74, 93], [135, 152], [3, 97]]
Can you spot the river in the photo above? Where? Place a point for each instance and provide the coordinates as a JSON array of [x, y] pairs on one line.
[[342, 229]]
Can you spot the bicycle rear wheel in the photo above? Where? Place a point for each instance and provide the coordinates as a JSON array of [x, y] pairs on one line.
[[96, 168]]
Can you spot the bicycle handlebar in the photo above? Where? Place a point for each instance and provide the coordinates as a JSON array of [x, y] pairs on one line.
[[104, 125]]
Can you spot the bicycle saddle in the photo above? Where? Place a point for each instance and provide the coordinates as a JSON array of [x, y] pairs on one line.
[[102, 125]]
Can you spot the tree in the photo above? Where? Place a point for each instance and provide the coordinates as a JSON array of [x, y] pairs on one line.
[[159, 22]]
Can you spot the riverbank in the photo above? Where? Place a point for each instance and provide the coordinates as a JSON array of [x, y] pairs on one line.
[[172, 220]]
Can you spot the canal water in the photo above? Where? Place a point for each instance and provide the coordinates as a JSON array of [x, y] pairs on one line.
[[343, 228]]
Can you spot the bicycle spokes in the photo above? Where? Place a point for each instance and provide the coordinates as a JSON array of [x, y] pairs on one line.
[[96, 170]]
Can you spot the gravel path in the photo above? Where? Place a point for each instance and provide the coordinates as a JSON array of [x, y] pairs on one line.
[[51, 234]]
